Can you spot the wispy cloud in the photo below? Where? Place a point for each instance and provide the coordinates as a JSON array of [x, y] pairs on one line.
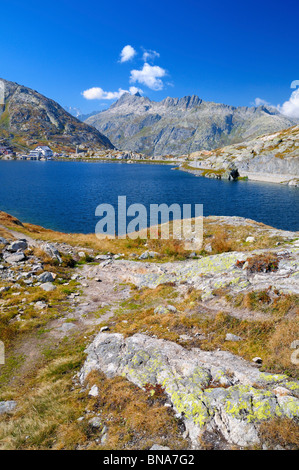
[[149, 55], [261, 102], [149, 75], [127, 53], [97, 93]]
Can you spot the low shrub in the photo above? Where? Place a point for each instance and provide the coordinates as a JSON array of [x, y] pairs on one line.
[[265, 263]]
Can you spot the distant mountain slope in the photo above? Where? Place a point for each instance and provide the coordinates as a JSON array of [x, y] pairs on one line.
[[28, 117], [84, 117], [276, 153], [181, 126]]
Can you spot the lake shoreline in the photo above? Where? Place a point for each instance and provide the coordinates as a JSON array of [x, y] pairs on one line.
[[251, 176], [290, 180], [65, 196]]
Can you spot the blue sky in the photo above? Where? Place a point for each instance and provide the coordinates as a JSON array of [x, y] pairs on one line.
[[225, 51]]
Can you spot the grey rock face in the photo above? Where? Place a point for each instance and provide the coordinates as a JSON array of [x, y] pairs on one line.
[[182, 126], [275, 153], [95, 422], [161, 309], [189, 377]]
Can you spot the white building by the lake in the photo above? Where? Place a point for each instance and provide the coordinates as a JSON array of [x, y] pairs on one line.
[[41, 152]]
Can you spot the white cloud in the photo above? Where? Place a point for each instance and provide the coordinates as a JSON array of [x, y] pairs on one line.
[[150, 55], [261, 102], [133, 90], [97, 93], [290, 108], [149, 75], [127, 53]]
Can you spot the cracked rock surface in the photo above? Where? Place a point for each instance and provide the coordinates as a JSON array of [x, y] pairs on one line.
[[211, 391]]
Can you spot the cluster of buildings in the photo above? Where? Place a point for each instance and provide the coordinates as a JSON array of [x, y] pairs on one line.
[[42, 152], [5, 150]]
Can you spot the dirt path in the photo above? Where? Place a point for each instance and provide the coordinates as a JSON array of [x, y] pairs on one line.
[[21, 236], [103, 287]]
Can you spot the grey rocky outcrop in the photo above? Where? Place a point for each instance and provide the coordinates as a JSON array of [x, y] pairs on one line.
[[211, 390], [221, 271], [276, 153]]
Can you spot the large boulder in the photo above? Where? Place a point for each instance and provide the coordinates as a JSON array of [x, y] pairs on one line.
[[211, 391], [14, 258], [46, 277], [18, 245]]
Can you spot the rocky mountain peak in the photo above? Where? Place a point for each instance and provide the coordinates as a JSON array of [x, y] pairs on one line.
[[184, 125], [27, 116]]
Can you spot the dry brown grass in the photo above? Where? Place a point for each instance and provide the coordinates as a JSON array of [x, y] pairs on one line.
[[220, 242], [269, 339], [136, 419], [282, 432], [279, 344], [271, 301], [9, 220], [223, 237], [48, 408]]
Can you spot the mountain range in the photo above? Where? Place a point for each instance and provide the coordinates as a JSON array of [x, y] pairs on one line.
[[27, 118], [182, 126]]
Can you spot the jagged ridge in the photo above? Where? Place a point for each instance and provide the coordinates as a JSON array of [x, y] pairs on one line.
[[181, 126]]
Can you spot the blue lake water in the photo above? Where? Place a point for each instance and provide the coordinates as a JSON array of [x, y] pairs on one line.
[[64, 195]]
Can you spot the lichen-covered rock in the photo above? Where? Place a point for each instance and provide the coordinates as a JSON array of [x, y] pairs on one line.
[[210, 390], [222, 271]]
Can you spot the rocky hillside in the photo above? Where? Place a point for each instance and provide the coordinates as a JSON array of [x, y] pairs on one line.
[[270, 154], [178, 126], [106, 348], [28, 118]]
